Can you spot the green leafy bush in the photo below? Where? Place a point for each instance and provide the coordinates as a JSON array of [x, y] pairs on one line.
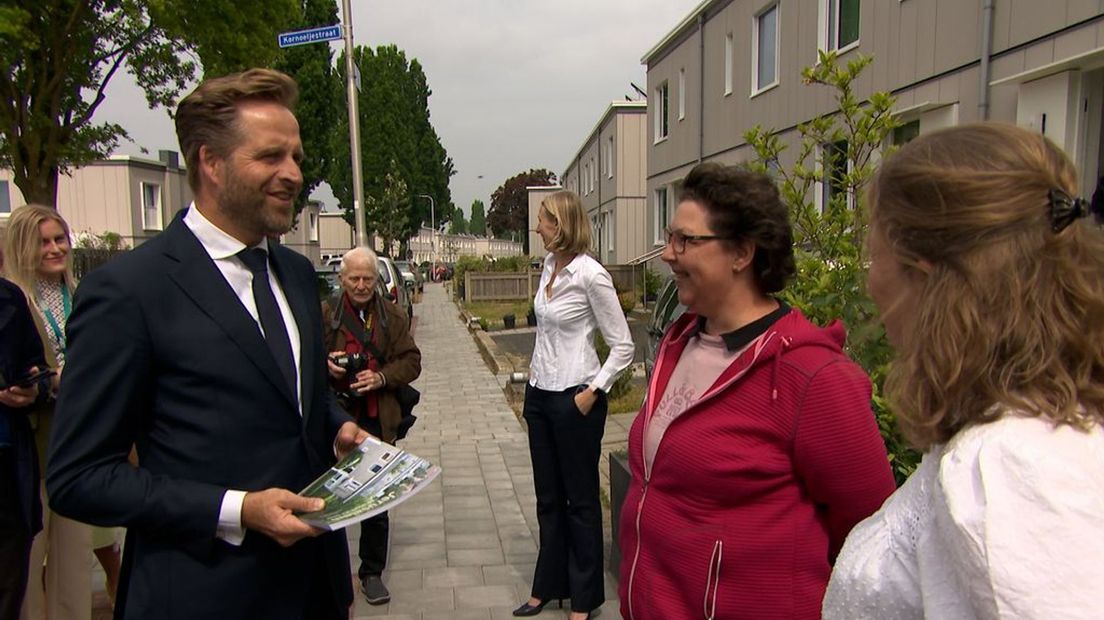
[[623, 384], [838, 150]]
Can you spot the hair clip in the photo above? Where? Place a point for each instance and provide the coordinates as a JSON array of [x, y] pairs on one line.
[[1064, 209]]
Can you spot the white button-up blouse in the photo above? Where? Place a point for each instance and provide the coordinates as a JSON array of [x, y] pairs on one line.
[[583, 299]]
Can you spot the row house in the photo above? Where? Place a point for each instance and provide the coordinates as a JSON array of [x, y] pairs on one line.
[[732, 64]]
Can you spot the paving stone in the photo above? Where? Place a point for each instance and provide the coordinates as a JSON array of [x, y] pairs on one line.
[[485, 596]]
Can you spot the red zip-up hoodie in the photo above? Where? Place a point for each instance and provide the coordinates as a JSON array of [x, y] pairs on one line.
[[755, 486]]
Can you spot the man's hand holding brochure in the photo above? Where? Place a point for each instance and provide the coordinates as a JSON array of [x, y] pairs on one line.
[[373, 478]]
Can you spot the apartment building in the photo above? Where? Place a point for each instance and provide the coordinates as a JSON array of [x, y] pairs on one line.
[[733, 64], [335, 235], [609, 174], [131, 196], [305, 234]]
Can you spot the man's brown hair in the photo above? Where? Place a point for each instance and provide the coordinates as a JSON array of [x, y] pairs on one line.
[[209, 114]]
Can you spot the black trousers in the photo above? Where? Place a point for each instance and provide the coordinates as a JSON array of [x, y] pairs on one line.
[[15, 540], [565, 447], [374, 532]]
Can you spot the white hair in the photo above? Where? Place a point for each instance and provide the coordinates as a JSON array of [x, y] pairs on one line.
[[361, 253]]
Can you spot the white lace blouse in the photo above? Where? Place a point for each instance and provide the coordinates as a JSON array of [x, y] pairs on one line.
[[1004, 521]]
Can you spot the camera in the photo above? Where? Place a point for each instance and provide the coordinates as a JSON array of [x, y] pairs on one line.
[[350, 362]]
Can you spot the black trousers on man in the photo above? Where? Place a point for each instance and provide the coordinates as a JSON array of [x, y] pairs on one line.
[[374, 531], [565, 446]]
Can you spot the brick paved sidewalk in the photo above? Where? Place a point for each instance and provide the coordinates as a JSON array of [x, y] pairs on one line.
[[465, 547]]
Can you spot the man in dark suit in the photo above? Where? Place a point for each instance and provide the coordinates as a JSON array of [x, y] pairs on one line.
[[203, 348]]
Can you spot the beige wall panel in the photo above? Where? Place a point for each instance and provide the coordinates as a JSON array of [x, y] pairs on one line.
[[1039, 54], [1002, 105], [903, 57], [1079, 10], [1002, 27], [1074, 42], [957, 28], [1031, 19], [1007, 64]]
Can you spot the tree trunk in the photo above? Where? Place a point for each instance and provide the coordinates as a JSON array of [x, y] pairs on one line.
[[38, 188]]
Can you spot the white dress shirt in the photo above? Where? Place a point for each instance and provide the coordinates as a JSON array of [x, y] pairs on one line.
[[583, 299], [1004, 521], [223, 249]]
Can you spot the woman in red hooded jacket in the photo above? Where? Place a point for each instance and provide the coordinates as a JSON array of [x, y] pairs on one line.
[[756, 450]]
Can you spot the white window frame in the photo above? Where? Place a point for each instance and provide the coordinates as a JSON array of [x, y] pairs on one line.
[[828, 32], [312, 226], [661, 127], [607, 230], [730, 44], [682, 94], [609, 157], [662, 212], [821, 205], [159, 223], [756, 27]]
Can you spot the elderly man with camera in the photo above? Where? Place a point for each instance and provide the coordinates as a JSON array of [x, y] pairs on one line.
[[372, 356]]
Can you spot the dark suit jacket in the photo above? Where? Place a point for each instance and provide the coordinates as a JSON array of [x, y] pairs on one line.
[[20, 349], [162, 354]]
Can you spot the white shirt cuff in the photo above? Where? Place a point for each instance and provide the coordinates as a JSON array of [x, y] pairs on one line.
[[230, 526]]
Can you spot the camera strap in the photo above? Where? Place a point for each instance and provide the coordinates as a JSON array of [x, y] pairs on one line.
[[356, 328]]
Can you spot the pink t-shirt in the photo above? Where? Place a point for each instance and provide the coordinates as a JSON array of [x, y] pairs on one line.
[[703, 360]]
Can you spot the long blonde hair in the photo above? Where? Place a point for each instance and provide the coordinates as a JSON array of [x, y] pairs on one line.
[[23, 247], [1007, 311]]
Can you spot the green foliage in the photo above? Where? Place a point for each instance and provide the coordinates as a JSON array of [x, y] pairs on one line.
[[394, 127], [478, 223], [458, 225], [60, 55], [319, 90], [388, 208], [652, 282], [627, 301], [109, 241], [511, 264], [510, 204], [623, 384], [831, 267]]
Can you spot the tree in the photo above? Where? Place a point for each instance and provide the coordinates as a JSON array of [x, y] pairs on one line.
[[388, 206], [838, 151], [510, 203], [458, 225], [58, 56], [311, 66], [394, 127], [477, 225]]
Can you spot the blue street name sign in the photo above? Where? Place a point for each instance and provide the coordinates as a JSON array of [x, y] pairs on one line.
[[310, 35]]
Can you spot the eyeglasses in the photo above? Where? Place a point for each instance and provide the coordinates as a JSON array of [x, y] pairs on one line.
[[678, 241]]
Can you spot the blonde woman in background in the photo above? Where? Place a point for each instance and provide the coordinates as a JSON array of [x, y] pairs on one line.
[[991, 287], [565, 407], [37, 250]]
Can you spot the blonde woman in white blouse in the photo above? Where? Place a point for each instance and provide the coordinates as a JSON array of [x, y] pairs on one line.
[[565, 407], [990, 284]]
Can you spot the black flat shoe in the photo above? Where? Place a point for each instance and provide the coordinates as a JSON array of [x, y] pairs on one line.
[[531, 610]]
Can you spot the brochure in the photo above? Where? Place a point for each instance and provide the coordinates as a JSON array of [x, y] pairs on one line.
[[374, 478]]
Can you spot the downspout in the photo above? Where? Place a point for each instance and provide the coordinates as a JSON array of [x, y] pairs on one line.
[[701, 86], [986, 52]]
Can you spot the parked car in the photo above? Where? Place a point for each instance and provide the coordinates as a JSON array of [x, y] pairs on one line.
[[328, 284], [667, 310], [394, 285], [411, 275]]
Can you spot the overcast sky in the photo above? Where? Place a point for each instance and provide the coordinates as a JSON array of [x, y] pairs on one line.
[[517, 84]]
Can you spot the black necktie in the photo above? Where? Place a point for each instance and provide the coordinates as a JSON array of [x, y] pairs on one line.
[[272, 322]]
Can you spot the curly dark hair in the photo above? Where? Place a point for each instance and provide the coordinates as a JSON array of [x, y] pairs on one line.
[[745, 205]]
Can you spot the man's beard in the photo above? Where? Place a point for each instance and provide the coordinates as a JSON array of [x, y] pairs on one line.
[[245, 206]]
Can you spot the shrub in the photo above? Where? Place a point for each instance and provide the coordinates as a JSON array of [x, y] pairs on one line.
[[623, 383]]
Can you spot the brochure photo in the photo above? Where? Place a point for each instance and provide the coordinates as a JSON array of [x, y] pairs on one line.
[[372, 479]]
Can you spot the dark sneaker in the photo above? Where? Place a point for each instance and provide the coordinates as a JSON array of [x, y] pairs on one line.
[[374, 591]]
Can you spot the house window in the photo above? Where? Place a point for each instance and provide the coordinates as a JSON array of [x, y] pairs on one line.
[[765, 49], [905, 133], [661, 112], [840, 23], [151, 206], [682, 94], [5, 199], [728, 64], [836, 166], [313, 226], [662, 215], [586, 179], [609, 157]]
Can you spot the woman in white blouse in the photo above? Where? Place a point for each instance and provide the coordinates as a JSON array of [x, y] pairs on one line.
[[565, 407], [991, 287]]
